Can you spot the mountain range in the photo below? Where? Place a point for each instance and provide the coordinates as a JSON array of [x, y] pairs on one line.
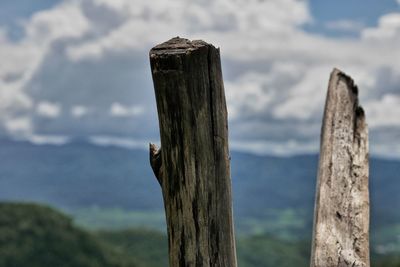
[[270, 194]]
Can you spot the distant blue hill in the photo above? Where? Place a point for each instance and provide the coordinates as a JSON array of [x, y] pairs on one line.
[[80, 174]]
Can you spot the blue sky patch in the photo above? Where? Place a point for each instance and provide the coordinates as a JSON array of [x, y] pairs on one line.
[[344, 18]]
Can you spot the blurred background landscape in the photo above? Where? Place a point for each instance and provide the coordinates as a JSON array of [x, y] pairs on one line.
[[111, 193], [77, 111]]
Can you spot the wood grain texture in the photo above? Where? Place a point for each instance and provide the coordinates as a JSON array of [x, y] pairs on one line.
[[193, 166], [341, 218]]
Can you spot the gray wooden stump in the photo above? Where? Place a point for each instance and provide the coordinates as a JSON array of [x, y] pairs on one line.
[[341, 218], [193, 165]]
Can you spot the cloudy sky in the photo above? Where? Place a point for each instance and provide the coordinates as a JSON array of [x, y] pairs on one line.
[[80, 68]]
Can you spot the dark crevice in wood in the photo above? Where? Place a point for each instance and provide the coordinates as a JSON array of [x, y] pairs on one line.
[[211, 92]]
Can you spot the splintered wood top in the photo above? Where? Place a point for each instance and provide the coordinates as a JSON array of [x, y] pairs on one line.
[[177, 45]]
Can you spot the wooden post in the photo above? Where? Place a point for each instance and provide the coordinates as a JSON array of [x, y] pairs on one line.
[[193, 165], [341, 218]]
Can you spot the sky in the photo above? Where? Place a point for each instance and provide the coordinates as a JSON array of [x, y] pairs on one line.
[[77, 69]]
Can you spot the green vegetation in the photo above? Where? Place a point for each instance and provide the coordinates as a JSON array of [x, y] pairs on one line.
[[387, 261], [150, 247], [36, 236], [387, 239], [263, 250], [95, 218], [286, 224]]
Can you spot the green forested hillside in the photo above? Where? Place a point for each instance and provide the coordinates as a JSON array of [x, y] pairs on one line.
[[265, 250], [37, 236], [147, 246]]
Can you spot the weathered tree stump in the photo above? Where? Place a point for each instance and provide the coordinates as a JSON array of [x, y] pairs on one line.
[[341, 218], [193, 165]]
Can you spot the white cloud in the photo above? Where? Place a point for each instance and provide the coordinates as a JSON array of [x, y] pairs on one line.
[[345, 25], [195, 19], [19, 126], [384, 112], [118, 142], [21, 59], [247, 95], [48, 110], [388, 29], [386, 150], [119, 110], [48, 139], [285, 148], [90, 57], [306, 98], [79, 111], [64, 21]]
